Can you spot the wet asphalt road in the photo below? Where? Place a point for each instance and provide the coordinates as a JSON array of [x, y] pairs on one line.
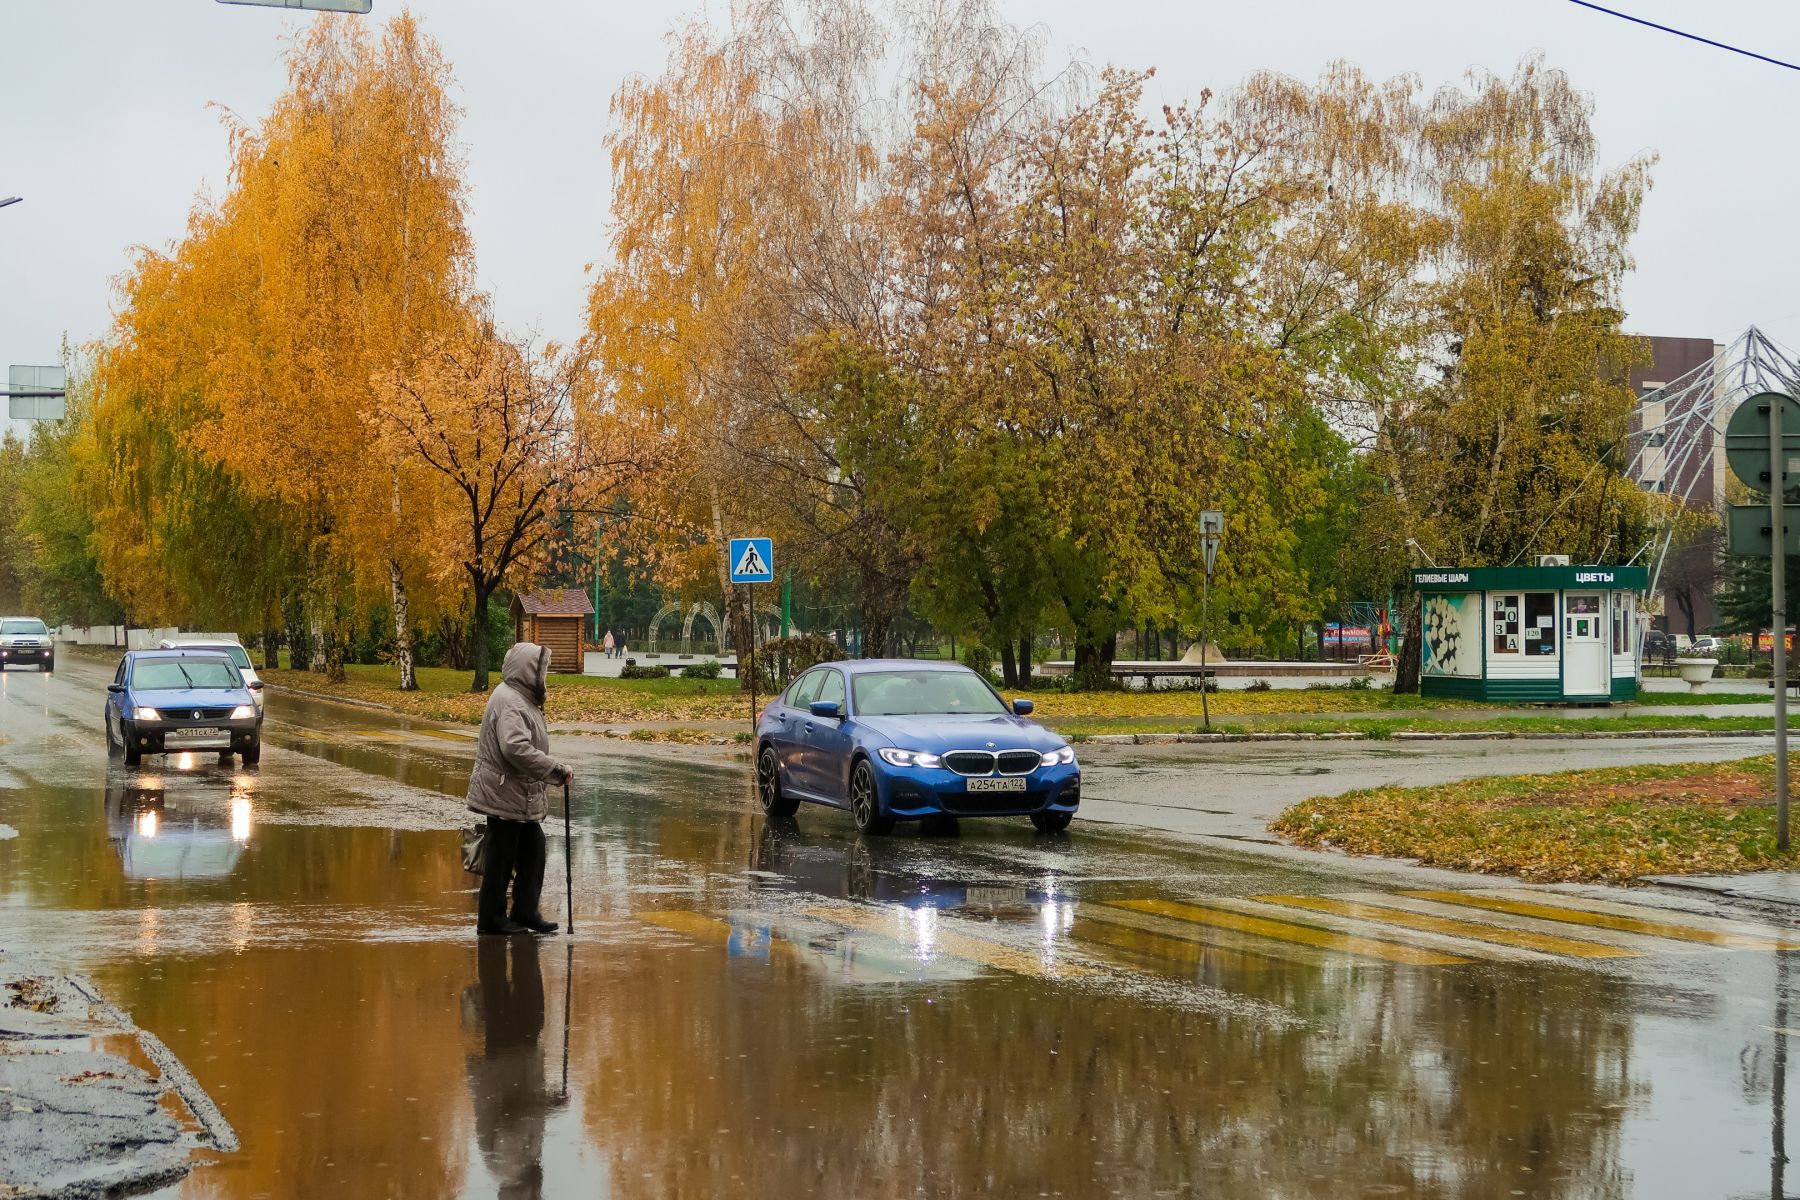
[[755, 1010]]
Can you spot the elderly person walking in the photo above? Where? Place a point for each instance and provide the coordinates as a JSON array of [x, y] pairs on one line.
[[512, 765]]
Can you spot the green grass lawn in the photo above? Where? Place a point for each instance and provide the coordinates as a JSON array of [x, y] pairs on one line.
[[1612, 825], [1384, 727], [1681, 699]]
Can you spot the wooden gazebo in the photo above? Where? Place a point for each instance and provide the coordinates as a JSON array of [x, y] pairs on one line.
[[553, 617]]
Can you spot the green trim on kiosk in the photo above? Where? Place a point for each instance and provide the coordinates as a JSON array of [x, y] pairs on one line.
[[1511, 688], [1531, 579]]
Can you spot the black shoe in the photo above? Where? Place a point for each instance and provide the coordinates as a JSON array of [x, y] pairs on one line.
[[504, 928], [538, 924]]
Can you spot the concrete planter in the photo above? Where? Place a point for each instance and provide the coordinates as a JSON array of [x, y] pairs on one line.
[[1696, 671]]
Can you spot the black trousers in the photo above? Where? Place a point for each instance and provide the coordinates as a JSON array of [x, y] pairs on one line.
[[515, 855]]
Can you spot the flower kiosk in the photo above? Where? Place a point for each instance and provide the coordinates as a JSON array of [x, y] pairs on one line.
[[1522, 635]]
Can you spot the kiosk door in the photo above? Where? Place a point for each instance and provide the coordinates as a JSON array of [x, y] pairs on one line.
[[1587, 663]]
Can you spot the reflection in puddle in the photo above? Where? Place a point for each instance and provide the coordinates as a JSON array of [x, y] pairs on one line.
[[200, 833], [772, 1009]]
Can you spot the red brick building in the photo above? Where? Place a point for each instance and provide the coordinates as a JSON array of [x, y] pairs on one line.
[[1690, 576]]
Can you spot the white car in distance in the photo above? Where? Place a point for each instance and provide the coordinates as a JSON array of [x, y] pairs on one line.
[[239, 656]]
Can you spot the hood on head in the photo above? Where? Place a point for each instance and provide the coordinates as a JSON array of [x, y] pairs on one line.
[[527, 667]]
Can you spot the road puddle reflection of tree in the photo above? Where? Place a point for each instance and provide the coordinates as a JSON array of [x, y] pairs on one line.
[[387, 1051]]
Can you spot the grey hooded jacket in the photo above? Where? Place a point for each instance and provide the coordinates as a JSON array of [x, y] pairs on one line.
[[512, 760]]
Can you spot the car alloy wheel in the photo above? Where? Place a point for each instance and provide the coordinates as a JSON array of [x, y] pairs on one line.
[[768, 786], [864, 805], [115, 745]]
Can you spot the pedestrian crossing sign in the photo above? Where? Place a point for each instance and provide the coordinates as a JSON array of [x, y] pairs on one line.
[[752, 560]]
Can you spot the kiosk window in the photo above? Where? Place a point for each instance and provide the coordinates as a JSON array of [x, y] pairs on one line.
[[1540, 623], [1508, 621], [1621, 624]]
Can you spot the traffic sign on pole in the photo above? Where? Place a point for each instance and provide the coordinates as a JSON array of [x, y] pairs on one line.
[[1748, 532], [752, 560], [1747, 441], [1762, 446], [1212, 528]]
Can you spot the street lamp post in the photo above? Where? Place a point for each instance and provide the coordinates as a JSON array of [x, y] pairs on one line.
[[1212, 529], [10, 200]]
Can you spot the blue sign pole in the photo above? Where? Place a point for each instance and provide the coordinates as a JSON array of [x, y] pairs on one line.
[[752, 562]]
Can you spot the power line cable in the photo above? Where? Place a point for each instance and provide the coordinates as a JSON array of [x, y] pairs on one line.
[[1613, 12]]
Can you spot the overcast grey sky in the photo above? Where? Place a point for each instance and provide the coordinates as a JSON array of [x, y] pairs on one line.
[[105, 127]]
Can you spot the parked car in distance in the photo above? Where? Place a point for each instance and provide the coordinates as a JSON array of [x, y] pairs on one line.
[[26, 640], [902, 740], [1658, 645], [1704, 647], [235, 651], [163, 701]]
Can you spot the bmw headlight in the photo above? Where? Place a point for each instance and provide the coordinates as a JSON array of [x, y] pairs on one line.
[[894, 756], [242, 711], [148, 714], [1061, 756]]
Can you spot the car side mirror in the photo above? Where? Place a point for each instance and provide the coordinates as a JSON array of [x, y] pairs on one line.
[[832, 710], [115, 688], [1022, 707], [255, 685]]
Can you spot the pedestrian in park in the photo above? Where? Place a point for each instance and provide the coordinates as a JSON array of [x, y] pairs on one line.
[[512, 766], [606, 644]]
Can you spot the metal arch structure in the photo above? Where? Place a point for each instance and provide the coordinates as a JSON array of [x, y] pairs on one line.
[[707, 613], [1680, 426]]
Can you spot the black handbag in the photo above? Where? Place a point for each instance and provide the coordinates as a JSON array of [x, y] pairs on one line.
[[474, 848]]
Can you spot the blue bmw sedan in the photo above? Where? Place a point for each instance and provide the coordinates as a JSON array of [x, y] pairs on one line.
[[900, 740]]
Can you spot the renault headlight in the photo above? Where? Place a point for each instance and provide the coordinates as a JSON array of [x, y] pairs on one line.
[[242, 711], [148, 714], [1061, 756], [894, 756]]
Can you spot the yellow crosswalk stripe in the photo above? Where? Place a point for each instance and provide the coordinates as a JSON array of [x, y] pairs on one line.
[[1452, 927], [1131, 946], [1606, 920], [693, 924], [1204, 935], [954, 944], [1285, 931]]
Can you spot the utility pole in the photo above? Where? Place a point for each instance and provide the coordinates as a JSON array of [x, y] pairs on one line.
[[1778, 618], [596, 585], [1212, 529]]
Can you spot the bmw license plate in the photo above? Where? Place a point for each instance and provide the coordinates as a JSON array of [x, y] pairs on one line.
[[196, 734], [997, 784]]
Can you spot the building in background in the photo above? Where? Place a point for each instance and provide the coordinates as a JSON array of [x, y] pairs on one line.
[[1691, 575]]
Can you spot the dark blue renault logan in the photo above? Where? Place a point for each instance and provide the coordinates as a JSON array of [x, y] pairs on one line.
[[161, 701], [900, 740]]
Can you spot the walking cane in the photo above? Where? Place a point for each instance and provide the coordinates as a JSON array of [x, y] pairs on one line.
[[568, 863]]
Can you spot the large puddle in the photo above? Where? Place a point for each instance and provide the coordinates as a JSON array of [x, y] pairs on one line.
[[761, 1010]]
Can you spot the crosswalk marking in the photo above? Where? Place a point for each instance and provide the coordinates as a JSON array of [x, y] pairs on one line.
[[1656, 927], [693, 924], [1204, 935], [958, 945], [1543, 943], [1133, 947], [1287, 931], [1748, 929]]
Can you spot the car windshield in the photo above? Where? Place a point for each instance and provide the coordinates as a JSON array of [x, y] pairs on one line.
[[920, 693], [231, 650], [172, 673], [31, 625]]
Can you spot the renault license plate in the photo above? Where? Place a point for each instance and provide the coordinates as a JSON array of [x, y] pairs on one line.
[[197, 733], [997, 784]]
